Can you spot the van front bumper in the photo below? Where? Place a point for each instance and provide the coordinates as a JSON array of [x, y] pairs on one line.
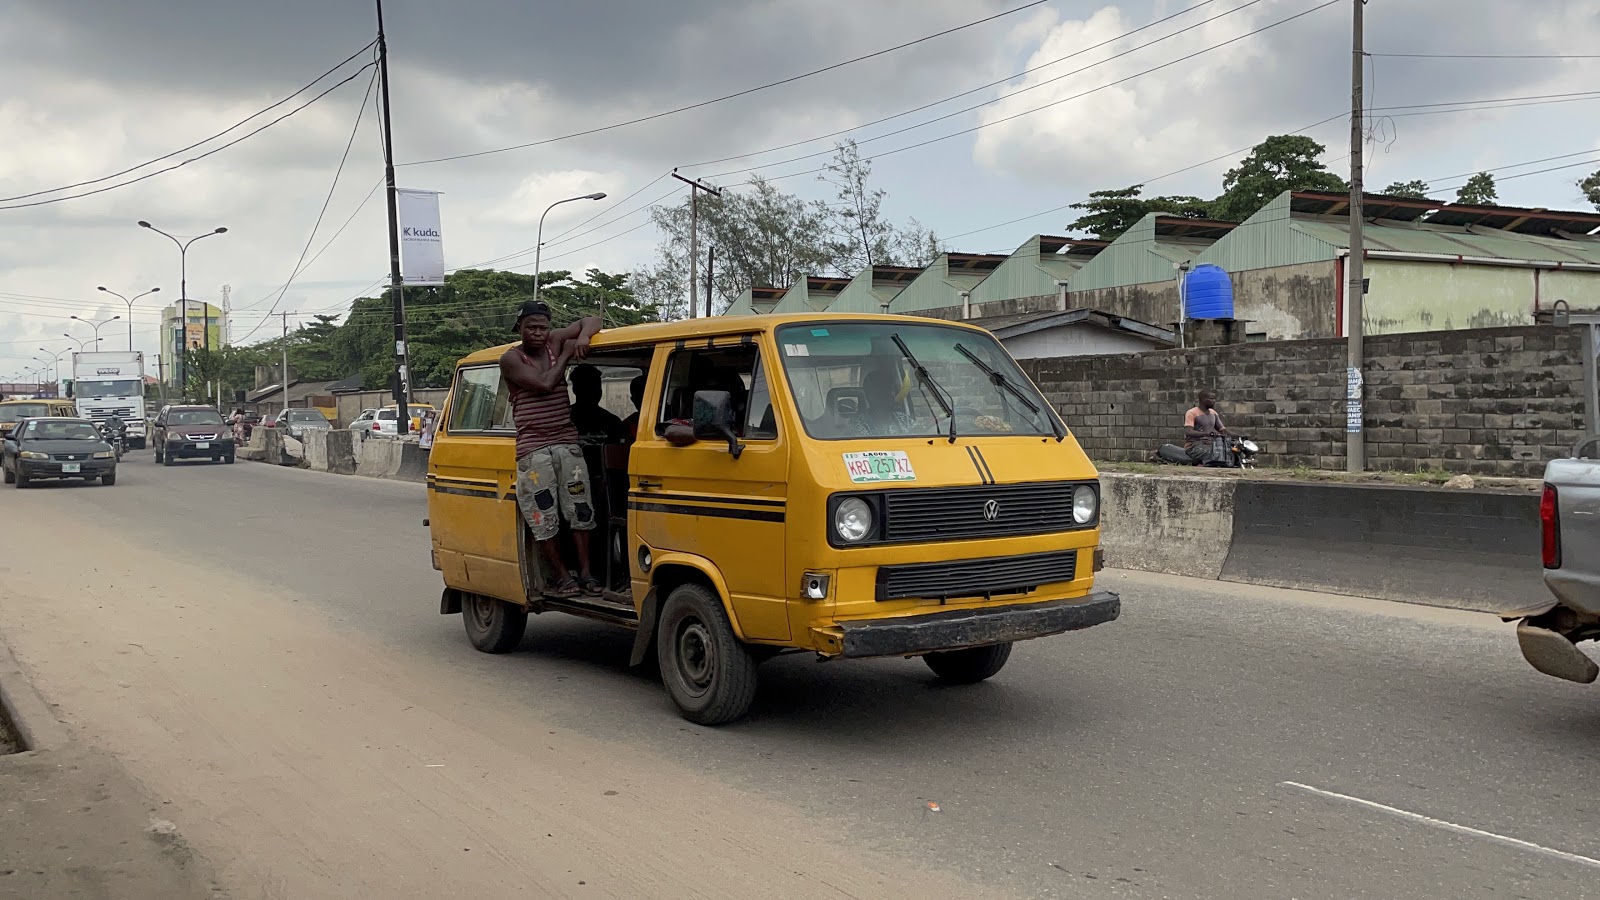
[[962, 628]]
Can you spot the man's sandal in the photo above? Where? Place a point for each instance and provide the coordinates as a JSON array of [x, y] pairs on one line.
[[566, 587]]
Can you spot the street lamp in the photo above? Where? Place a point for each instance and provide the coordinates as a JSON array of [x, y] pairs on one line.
[[130, 308], [183, 294], [81, 341], [96, 324], [57, 359], [538, 241]]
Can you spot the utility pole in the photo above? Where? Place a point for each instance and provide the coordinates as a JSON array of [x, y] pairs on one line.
[[1356, 288], [711, 272], [695, 187], [402, 376], [285, 379]]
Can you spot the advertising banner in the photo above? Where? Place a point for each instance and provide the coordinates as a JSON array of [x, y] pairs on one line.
[[421, 242]]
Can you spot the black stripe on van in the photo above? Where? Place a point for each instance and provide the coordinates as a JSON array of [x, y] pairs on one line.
[[720, 512], [706, 498]]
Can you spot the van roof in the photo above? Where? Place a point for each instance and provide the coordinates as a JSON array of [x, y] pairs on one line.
[[690, 329]]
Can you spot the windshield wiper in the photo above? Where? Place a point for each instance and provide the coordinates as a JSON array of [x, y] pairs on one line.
[[1001, 382], [927, 381]]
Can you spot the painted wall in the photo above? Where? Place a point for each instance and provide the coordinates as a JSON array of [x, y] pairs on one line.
[[1074, 340], [1154, 303], [1430, 296], [1288, 302], [1581, 290]]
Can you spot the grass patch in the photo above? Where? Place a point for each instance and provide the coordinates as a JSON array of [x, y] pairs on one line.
[[1427, 476]]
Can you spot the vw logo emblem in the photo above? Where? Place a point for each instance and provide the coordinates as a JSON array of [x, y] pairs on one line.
[[991, 510]]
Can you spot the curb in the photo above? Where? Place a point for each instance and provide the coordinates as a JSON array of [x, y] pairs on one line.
[[36, 726]]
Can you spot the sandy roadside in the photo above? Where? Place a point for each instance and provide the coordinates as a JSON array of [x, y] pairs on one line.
[[303, 763]]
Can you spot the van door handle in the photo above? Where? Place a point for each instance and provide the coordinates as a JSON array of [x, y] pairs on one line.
[[645, 484]]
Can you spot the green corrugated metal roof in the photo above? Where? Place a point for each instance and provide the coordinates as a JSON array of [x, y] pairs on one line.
[[1142, 256], [871, 288], [1447, 240], [1029, 272], [811, 293], [941, 283]]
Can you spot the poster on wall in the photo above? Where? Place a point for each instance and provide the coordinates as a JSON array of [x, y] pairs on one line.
[[421, 241]]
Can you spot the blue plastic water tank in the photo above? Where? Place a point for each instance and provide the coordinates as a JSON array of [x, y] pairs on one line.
[[1208, 293]]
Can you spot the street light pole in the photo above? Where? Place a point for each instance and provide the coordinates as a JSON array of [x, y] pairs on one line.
[[538, 240], [57, 363], [130, 309], [183, 298], [81, 341], [96, 325]]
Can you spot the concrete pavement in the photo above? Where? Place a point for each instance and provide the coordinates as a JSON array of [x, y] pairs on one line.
[[1218, 741]]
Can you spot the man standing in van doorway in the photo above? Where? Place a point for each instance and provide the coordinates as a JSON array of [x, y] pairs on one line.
[[552, 481]]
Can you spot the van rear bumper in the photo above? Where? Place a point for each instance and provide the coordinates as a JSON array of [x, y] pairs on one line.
[[956, 629]]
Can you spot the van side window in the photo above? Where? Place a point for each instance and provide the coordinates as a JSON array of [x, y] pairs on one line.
[[736, 370], [473, 407]]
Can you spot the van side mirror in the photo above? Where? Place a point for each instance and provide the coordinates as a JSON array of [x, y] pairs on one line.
[[713, 418]]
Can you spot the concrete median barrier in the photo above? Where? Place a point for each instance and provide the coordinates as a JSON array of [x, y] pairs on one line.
[[413, 462], [1470, 549], [1173, 524], [341, 454], [378, 458], [316, 450]]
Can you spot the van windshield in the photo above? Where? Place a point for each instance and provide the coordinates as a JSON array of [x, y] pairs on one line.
[[15, 411], [107, 388], [852, 380]]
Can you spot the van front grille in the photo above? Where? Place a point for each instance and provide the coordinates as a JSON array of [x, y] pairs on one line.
[[976, 577], [999, 510]]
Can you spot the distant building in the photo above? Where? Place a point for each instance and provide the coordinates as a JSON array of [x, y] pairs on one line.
[[174, 336]]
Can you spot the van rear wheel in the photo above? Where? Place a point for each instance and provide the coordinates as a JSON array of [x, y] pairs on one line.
[[708, 671], [968, 666], [493, 626]]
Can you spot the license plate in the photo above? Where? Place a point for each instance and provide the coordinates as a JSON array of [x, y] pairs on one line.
[[203, 445], [69, 468]]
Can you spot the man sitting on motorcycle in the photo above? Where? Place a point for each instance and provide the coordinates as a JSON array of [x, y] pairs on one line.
[[1204, 434]]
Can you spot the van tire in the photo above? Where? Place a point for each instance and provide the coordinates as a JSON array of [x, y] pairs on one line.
[[707, 670], [968, 666], [493, 626]]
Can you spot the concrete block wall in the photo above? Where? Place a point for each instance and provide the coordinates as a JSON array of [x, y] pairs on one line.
[[1495, 401]]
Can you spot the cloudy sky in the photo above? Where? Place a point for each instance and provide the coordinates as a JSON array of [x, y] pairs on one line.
[[94, 87]]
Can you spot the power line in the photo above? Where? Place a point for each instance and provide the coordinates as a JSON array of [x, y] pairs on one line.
[[981, 87], [1587, 162], [746, 91], [300, 263], [210, 152], [198, 143], [1488, 55], [1040, 108], [1532, 162]]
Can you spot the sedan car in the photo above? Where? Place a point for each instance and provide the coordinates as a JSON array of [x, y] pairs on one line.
[[192, 432], [296, 422], [56, 447]]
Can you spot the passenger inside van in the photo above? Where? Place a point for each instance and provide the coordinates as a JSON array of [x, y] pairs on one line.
[[594, 421]]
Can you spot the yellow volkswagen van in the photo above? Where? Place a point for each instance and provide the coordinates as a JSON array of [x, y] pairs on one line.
[[849, 485]]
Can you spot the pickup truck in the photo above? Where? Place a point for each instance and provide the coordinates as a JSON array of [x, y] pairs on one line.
[[1569, 514]]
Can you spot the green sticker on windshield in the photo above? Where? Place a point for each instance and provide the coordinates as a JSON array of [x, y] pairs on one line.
[[819, 332]]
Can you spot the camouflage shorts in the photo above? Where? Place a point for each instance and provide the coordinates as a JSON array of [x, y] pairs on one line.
[[553, 485]]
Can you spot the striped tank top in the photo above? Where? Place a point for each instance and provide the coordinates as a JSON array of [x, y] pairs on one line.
[[542, 420]]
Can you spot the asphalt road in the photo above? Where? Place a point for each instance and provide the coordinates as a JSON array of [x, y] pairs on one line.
[[1217, 741]]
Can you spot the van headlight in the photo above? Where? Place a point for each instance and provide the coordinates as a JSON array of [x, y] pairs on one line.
[[1085, 504], [852, 520]]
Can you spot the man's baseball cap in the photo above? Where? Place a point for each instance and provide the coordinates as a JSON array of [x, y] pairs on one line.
[[531, 308]]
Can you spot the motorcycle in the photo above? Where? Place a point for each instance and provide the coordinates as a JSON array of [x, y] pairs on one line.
[[114, 432], [1235, 452]]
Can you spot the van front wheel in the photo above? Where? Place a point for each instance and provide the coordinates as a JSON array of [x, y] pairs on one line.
[[968, 666], [707, 670], [493, 626]]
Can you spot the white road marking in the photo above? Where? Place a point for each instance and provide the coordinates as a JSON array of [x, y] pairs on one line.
[[1450, 826]]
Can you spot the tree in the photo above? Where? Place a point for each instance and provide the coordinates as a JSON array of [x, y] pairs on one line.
[[1283, 162], [1591, 189], [1478, 191], [861, 237], [1107, 214], [1415, 189], [766, 237]]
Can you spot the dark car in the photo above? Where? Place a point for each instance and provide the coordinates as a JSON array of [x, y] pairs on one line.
[[192, 432], [56, 447]]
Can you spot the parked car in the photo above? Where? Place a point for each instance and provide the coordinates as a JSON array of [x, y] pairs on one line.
[[268, 420], [296, 422], [1549, 633], [56, 447], [192, 432], [364, 424], [387, 417]]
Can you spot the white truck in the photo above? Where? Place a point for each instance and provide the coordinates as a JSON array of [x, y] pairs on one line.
[[111, 383]]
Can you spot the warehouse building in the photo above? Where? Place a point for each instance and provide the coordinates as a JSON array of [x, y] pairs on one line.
[[813, 293], [1035, 278], [874, 289]]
